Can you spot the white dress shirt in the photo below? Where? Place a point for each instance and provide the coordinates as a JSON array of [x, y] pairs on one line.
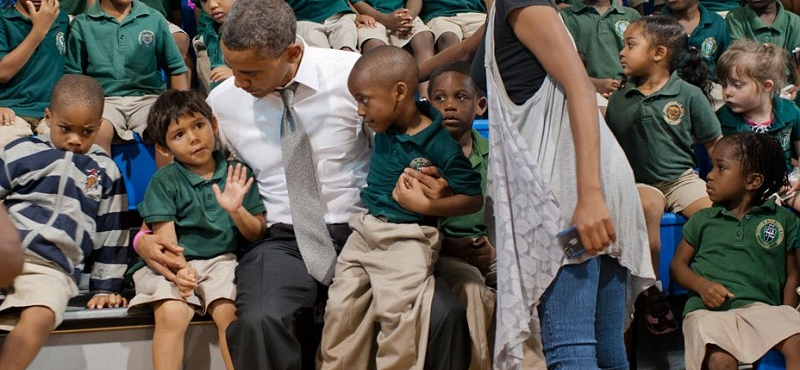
[[250, 128]]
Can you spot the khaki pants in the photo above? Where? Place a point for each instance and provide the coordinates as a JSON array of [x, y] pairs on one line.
[[22, 127], [470, 286], [383, 274]]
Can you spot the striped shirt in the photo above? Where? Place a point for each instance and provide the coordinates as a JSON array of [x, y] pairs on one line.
[[69, 208]]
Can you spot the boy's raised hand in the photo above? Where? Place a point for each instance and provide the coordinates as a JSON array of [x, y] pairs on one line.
[[713, 294], [43, 18], [99, 301], [236, 186], [7, 116]]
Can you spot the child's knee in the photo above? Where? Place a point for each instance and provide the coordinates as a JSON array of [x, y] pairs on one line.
[[39, 318], [173, 314], [719, 359], [790, 347]]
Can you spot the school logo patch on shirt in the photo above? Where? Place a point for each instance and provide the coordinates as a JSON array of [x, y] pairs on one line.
[[147, 37], [708, 47], [61, 45], [769, 233], [673, 112], [620, 26], [92, 181]]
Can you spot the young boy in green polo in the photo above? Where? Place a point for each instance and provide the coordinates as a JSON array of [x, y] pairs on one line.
[[211, 67], [326, 23], [32, 49], [597, 27], [452, 20], [124, 45], [386, 265]]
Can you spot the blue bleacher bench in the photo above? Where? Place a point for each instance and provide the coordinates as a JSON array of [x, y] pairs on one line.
[[136, 161]]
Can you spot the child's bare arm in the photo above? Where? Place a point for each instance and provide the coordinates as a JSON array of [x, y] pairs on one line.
[[398, 21], [414, 7], [790, 297], [42, 19], [410, 196], [237, 185], [179, 82], [712, 293], [709, 145]]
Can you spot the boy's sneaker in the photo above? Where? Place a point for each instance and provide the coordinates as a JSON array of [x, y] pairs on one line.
[[658, 315]]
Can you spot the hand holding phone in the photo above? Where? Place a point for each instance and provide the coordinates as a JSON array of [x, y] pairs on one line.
[[570, 241]]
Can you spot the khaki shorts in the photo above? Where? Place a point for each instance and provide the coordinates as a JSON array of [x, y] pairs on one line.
[[388, 37], [128, 114], [746, 333], [38, 285], [23, 127], [680, 193], [462, 25], [337, 32], [215, 281]]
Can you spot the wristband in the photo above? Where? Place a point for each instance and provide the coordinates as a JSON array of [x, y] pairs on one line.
[[139, 235]]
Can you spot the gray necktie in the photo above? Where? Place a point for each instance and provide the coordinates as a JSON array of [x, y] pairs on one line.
[[308, 219]]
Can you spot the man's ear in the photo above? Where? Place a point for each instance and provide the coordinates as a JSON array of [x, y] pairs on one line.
[[754, 181], [480, 106], [164, 151], [294, 52], [400, 90]]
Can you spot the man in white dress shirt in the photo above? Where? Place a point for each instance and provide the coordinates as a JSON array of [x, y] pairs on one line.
[[260, 46]]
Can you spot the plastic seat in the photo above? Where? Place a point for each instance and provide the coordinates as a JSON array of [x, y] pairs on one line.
[[773, 360], [136, 161]]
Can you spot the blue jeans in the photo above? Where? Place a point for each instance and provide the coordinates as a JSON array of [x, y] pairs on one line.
[[583, 316]]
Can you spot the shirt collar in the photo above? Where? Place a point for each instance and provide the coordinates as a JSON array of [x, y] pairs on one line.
[[196, 180], [780, 23], [480, 148], [580, 7], [427, 133], [769, 206], [138, 9], [671, 88], [307, 70], [705, 15]]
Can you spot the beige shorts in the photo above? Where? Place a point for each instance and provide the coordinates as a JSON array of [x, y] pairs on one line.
[[38, 285], [746, 333], [128, 114], [388, 37], [215, 281], [22, 127], [462, 25], [680, 193], [337, 32]]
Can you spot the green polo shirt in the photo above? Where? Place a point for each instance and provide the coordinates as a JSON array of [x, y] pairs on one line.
[[743, 23], [473, 224], [393, 152], [747, 256], [72, 7], [720, 5], [657, 131], [318, 10], [384, 6], [448, 8], [785, 125], [28, 92], [125, 58], [599, 37], [710, 37], [203, 228], [165, 7]]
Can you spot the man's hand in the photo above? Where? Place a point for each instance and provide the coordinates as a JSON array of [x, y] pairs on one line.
[[409, 195], [7, 116], [161, 255], [99, 301], [433, 185]]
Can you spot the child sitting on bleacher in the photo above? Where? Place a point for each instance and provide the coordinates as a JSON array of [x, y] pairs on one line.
[[211, 68], [597, 27], [67, 199], [32, 49], [206, 205], [738, 259], [384, 273], [125, 44], [467, 258], [452, 21], [656, 118], [326, 23], [752, 74]]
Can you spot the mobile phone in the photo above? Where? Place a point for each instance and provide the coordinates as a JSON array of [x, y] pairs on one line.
[[570, 241]]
